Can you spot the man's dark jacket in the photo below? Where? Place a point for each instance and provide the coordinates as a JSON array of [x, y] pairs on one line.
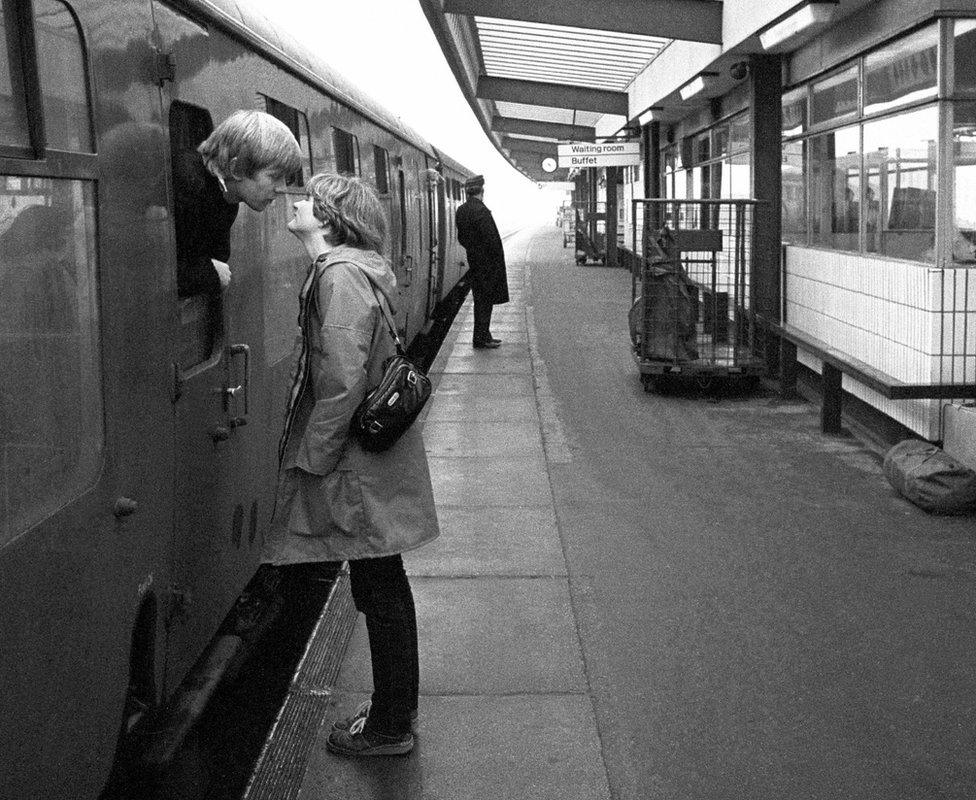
[[479, 237]]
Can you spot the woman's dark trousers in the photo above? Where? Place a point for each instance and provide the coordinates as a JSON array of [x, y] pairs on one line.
[[382, 594]]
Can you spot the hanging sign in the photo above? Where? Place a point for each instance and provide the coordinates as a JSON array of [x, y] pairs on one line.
[[610, 154]]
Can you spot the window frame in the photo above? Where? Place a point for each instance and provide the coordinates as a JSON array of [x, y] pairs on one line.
[[941, 101], [59, 163]]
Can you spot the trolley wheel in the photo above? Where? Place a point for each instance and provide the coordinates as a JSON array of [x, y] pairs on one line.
[[603, 260], [581, 260], [649, 383]]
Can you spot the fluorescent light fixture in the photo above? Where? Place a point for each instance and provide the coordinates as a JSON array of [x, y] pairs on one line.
[[652, 114], [696, 85], [812, 14]]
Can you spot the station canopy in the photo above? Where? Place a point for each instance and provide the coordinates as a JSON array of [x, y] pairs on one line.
[[540, 72]]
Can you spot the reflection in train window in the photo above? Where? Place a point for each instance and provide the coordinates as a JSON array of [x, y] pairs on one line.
[[13, 121], [52, 434], [61, 70], [298, 125], [346, 147]]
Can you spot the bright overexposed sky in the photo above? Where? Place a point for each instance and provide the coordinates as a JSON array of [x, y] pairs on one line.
[[387, 49]]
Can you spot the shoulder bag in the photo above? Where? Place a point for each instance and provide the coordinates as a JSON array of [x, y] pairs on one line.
[[389, 409]]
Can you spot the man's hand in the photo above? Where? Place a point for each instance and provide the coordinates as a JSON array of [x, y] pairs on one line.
[[223, 272]]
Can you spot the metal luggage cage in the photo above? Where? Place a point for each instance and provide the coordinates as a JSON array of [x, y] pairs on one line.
[[691, 310]]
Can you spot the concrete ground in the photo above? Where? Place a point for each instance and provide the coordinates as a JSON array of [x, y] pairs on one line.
[[640, 596]]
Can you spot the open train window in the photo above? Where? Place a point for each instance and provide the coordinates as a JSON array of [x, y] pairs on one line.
[[346, 147], [382, 178], [200, 308], [297, 123]]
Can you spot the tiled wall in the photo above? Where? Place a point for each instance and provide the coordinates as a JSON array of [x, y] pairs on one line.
[[915, 322]]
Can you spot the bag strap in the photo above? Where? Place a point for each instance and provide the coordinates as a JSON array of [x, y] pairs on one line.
[[387, 316], [390, 324]]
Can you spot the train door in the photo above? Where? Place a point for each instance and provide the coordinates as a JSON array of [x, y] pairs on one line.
[[435, 224], [405, 272], [211, 347]]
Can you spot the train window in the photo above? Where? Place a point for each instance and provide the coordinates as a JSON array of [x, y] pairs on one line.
[[297, 123], [346, 147], [14, 130], [199, 309], [61, 71], [382, 179], [52, 435]]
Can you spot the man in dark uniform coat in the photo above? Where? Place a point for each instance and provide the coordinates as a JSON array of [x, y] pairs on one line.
[[479, 237]]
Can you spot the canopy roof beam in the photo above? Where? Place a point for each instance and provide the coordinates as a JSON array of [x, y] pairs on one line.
[[691, 20], [552, 130], [552, 95], [514, 143]]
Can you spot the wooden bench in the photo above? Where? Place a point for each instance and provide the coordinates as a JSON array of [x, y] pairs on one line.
[[837, 363]]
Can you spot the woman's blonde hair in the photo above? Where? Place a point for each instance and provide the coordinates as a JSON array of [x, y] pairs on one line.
[[350, 208], [257, 140]]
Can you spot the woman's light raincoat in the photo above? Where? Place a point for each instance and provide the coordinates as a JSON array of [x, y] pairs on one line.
[[335, 500]]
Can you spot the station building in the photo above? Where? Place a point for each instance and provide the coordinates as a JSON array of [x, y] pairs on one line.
[[852, 122]]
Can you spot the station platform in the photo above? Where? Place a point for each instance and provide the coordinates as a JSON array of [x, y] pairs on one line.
[[640, 596]]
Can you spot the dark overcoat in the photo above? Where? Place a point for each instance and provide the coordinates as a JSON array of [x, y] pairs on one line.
[[479, 237]]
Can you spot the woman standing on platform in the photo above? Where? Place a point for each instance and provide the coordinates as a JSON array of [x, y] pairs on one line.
[[336, 501]]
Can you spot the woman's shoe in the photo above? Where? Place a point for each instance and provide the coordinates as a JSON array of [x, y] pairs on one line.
[[489, 344], [359, 716], [363, 745]]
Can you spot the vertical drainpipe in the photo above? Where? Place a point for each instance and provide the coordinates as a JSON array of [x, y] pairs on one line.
[[765, 285]]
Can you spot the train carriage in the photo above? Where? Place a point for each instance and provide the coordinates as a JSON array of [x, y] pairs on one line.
[[138, 429]]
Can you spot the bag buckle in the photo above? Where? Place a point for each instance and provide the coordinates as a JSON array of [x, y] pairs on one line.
[[412, 377]]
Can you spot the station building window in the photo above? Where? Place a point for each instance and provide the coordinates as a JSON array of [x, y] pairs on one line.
[[860, 152], [52, 435], [713, 163]]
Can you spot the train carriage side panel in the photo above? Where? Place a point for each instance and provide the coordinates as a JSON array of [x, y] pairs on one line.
[[87, 498]]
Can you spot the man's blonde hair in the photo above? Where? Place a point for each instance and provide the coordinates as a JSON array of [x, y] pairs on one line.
[[351, 209], [257, 140]]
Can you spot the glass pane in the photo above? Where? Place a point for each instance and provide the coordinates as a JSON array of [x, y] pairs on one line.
[[13, 117], [794, 203], [904, 71], [795, 112], [703, 150], [834, 97], [51, 435], [900, 188], [720, 141], [964, 181], [741, 133], [964, 33], [835, 176], [61, 68]]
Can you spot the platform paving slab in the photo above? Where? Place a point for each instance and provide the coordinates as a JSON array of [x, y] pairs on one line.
[[478, 748], [473, 439], [490, 481], [479, 408], [491, 540], [477, 387], [485, 635]]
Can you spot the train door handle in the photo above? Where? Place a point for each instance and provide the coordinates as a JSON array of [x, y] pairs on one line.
[[243, 388]]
